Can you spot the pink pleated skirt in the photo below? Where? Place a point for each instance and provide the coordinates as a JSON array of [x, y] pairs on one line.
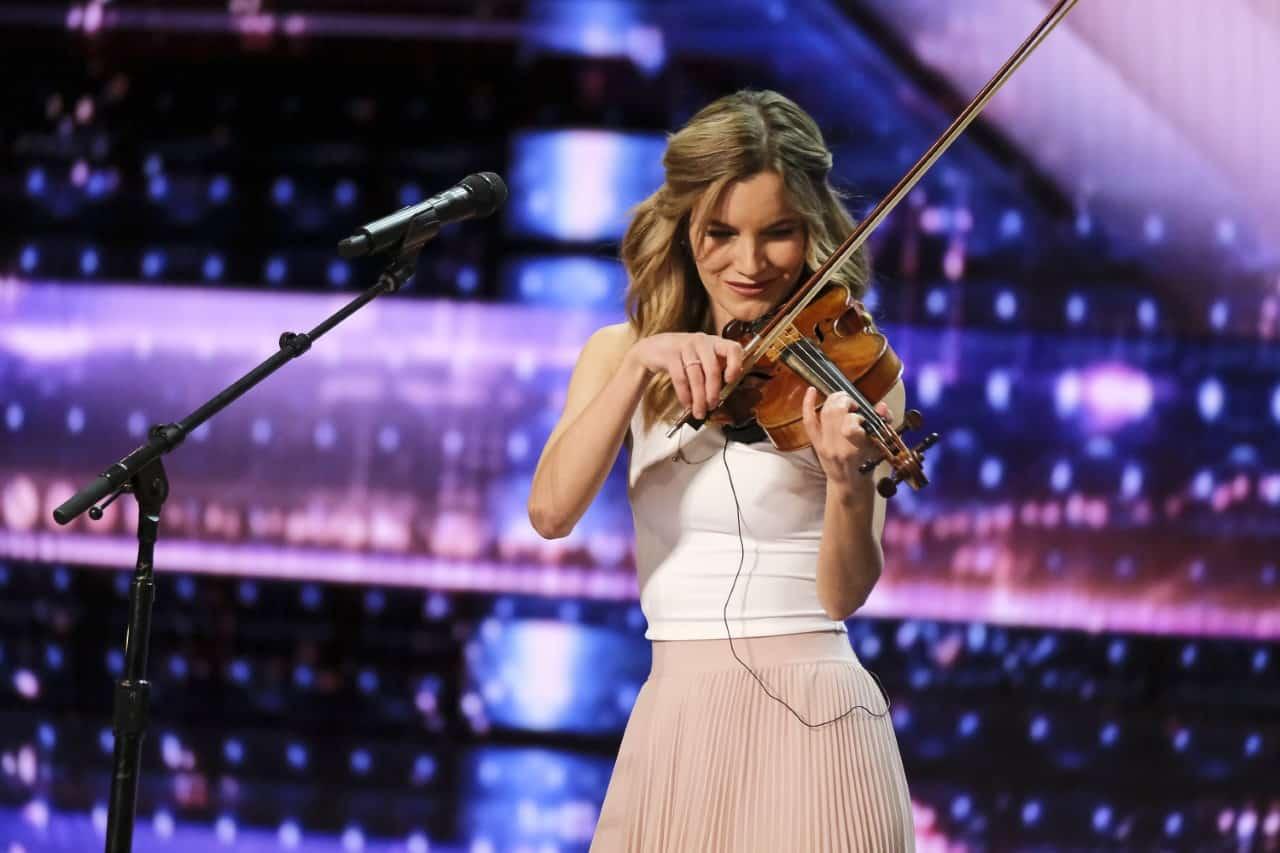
[[709, 762]]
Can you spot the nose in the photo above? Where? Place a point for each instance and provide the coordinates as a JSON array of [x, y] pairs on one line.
[[750, 260]]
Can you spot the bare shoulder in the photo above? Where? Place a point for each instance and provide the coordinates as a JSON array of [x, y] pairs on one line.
[[610, 343]]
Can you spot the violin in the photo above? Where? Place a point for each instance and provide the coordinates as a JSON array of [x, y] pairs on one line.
[[827, 339], [833, 345]]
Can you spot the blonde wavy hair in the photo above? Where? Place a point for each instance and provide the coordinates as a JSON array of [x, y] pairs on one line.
[[732, 138]]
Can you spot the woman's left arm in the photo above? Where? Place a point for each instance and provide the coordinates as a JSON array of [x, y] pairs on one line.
[[850, 558]]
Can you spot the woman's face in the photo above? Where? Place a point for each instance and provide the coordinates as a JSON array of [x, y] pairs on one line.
[[753, 251]]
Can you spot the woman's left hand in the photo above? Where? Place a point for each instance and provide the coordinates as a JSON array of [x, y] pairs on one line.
[[838, 437]]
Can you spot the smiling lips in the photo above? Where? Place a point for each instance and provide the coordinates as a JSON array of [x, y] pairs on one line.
[[746, 288]]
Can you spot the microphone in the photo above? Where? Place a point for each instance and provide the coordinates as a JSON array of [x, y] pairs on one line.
[[474, 196]]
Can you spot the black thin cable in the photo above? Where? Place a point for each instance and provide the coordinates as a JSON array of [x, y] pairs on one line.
[[742, 558]]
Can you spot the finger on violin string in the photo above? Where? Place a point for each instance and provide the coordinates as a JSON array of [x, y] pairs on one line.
[[838, 401], [837, 411], [809, 409], [712, 372], [732, 353]]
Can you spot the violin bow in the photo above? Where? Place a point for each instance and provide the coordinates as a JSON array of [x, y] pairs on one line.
[[786, 314]]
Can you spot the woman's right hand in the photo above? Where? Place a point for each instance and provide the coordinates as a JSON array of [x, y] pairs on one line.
[[699, 365]]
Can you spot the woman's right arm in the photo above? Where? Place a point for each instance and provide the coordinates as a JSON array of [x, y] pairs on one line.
[[604, 390], [608, 383]]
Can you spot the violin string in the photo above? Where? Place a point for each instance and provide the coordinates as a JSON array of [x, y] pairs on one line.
[[820, 364], [818, 360]]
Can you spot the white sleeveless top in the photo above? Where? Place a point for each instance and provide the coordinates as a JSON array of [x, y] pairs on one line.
[[687, 546]]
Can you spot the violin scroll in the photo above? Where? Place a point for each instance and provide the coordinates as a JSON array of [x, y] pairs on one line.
[[908, 463]]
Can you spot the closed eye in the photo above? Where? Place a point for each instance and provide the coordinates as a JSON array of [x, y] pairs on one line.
[[772, 233]]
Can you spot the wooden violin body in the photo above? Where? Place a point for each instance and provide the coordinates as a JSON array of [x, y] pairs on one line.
[[772, 392]]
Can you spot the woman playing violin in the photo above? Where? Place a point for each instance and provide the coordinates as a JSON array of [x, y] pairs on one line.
[[758, 728]]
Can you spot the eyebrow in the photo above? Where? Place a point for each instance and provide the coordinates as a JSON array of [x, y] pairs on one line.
[[789, 220]]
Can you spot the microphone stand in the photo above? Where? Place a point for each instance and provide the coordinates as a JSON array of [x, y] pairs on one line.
[[142, 473]]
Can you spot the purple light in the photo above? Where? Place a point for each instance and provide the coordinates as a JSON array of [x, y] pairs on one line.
[[1226, 232], [367, 681], [219, 189], [282, 191], [1039, 728], [240, 671], [936, 302], [1006, 305], [89, 261], [75, 420], [1077, 308], [1153, 228], [999, 387], [1112, 394], [26, 683], [1131, 480], [344, 193], [1148, 315], [352, 839], [1010, 224], [1219, 313], [153, 263], [1060, 479], [339, 273], [290, 835], [35, 181], [213, 267], [1210, 398], [424, 769], [157, 187], [276, 270], [991, 472], [467, 279]]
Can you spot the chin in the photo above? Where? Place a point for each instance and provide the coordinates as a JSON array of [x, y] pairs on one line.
[[751, 313], [753, 307]]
